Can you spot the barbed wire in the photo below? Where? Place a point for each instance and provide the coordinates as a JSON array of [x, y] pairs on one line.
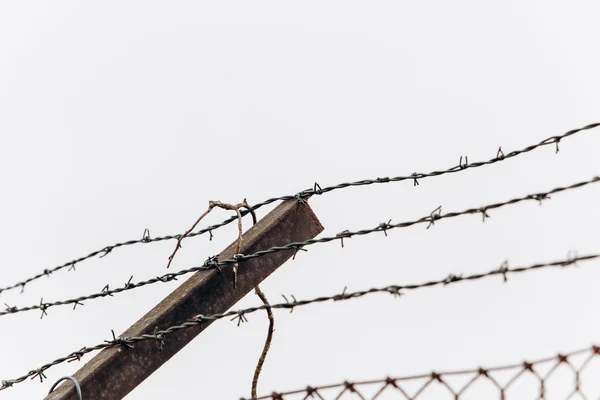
[[301, 196], [443, 380], [214, 263], [240, 315]]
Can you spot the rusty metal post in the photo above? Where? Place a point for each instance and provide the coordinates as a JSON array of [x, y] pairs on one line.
[[115, 372]]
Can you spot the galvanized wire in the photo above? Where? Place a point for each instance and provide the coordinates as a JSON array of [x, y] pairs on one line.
[[240, 315], [316, 190], [213, 263], [75, 384], [540, 372]]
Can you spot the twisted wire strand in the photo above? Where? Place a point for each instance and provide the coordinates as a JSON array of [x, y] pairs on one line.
[[212, 263], [240, 315], [316, 190]]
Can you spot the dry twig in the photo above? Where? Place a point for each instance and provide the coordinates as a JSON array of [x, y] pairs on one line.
[[212, 204], [236, 207]]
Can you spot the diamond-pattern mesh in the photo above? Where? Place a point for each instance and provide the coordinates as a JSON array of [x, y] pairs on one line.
[[574, 376]]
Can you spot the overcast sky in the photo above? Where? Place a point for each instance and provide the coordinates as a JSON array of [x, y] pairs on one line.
[[121, 116]]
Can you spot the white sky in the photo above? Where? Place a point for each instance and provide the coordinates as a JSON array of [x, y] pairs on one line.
[[121, 116]]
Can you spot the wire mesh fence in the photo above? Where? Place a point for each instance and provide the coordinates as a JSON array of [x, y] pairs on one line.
[[569, 376]]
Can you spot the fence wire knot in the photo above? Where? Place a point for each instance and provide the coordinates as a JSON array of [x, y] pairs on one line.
[[300, 197], [384, 226], [297, 249], [39, 373], [504, 270], [415, 181], [484, 213], [391, 381], [452, 278], [342, 296], [289, 304], [77, 303], [562, 358], [213, 262], [146, 236], [572, 257], [310, 391], [342, 235], [160, 338], [106, 250], [43, 307], [500, 154], [167, 277], [241, 317], [238, 257], [435, 214], [128, 284], [317, 189], [199, 318], [10, 309], [119, 341], [540, 197], [106, 289], [460, 162], [76, 355]]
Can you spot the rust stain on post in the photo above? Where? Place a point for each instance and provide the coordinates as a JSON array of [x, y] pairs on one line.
[[115, 372]]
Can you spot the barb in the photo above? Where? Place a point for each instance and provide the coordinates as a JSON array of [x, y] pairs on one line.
[[302, 195], [394, 290], [211, 263], [443, 380]]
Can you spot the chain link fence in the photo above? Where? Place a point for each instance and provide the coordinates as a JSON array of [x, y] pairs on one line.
[[564, 376]]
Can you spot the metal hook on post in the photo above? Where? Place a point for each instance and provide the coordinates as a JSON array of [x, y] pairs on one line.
[[69, 378]]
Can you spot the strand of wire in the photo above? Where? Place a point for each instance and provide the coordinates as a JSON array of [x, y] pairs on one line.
[[302, 195], [241, 315], [214, 263], [441, 378]]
